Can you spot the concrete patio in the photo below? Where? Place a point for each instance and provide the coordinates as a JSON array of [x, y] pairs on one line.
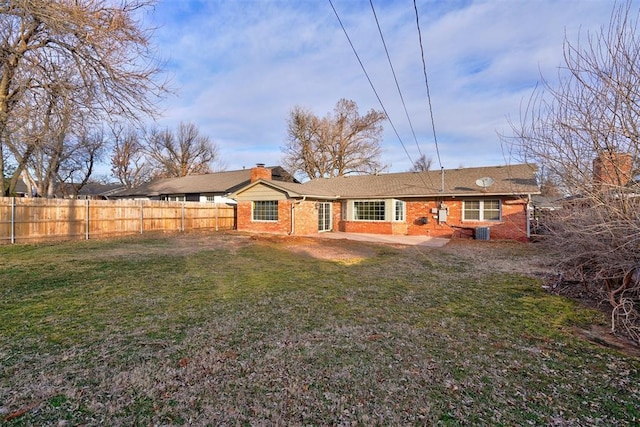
[[434, 242]]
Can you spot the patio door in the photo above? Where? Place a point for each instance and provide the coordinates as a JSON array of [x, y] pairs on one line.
[[324, 216]]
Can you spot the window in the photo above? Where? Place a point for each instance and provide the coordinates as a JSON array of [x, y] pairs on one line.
[[481, 210], [491, 210], [371, 210], [174, 198], [265, 210], [211, 199], [399, 210]]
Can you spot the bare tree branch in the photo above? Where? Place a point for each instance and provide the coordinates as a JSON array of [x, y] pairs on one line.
[[583, 132], [338, 144], [96, 49], [128, 162], [423, 164], [185, 153]]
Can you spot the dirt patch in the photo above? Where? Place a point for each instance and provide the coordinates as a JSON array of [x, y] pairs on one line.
[[603, 336], [344, 251]]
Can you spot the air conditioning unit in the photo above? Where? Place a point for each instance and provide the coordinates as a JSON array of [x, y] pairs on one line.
[[482, 233]]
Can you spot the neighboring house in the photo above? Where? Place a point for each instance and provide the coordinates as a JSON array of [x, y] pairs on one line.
[[483, 202], [547, 203], [21, 189], [91, 190], [541, 209], [212, 187]]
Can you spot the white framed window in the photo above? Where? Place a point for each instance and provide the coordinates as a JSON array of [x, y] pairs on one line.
[[265, 210], [369, 210], [181, 198], [211, 199], [481, 210], [399, 210]]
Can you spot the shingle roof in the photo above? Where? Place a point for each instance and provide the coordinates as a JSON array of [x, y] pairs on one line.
[[21, 187], [507, 180], [219, 182]]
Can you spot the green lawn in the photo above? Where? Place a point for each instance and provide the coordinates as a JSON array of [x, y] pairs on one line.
[[225, 329]]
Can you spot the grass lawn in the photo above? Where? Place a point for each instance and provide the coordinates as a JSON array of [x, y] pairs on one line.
[[226, 329]]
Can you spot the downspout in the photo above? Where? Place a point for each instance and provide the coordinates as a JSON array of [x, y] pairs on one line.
[[293, 215], [528, 218]]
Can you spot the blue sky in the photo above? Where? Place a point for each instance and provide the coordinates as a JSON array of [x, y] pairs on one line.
[[240, 66]]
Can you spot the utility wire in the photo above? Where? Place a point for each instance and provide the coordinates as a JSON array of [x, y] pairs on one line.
[[369, 79], [401, 97], [426, 82], [395, 77]]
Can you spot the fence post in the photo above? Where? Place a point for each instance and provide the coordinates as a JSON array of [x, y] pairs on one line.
[[13, 220], [86, 220], [182, 222], [141, 217], [216, 215]]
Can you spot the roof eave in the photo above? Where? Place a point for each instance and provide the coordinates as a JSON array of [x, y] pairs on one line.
[[432, 195], [273, 184]]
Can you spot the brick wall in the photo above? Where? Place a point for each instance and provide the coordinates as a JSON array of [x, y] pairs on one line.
[[372, 227], [282, 226], [512, 226], [306, 215], [337, 215]]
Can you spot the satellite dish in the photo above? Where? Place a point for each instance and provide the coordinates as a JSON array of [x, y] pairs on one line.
[[484, 182]]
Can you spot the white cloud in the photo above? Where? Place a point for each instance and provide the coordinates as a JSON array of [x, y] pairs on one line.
[[241, 66]]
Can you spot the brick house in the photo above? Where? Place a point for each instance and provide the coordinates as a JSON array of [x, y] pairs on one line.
[[467, 202]]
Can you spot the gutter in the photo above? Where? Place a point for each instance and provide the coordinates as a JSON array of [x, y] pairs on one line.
[[293, 215]]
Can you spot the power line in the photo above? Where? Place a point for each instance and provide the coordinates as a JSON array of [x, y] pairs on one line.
[[369, 79], [395, 77], [426, 82]]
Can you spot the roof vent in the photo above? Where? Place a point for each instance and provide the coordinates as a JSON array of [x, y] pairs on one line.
[[260, 165]]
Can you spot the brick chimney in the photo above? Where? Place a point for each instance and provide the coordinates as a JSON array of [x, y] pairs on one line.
[[260, 172], [612, 169]]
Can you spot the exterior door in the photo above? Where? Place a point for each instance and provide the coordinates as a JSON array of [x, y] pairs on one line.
[[324, 216]]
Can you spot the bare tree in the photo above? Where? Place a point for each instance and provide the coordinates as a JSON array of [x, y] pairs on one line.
[[186, 152], [94, 47], [338, 144], [76, 168], [423, 164], [128, 161], [64, 164], [584, 133], [56, 140]]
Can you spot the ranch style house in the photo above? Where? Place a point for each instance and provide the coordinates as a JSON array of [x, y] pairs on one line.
[[480, 202]]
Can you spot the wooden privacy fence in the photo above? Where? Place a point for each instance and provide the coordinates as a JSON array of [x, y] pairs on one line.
[[35, 219]]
